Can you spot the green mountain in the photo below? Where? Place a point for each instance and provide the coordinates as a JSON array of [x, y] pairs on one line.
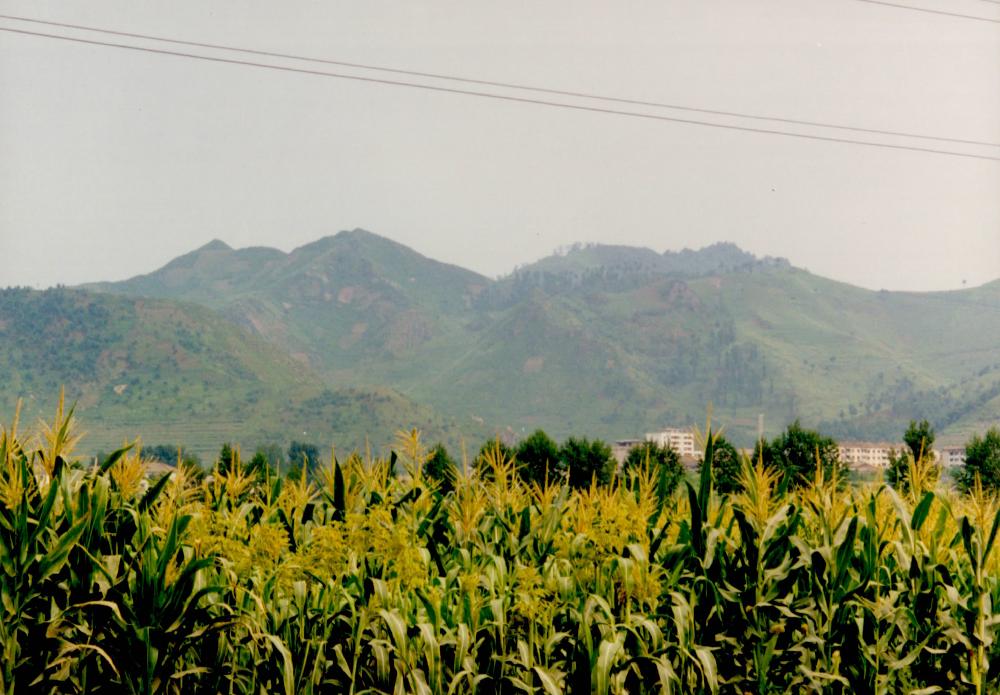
[[338, 304], [174, 372], [611, 341]]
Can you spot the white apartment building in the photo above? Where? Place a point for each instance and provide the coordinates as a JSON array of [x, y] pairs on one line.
[[679, 439], [867, 454], [875, 454], [952, 456]]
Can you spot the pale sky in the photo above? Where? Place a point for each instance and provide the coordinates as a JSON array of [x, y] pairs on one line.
[[112, 161]]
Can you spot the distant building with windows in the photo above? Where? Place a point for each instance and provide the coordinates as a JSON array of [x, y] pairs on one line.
[[867, 454], [679, 439], [875, 454], [621, 447], [952, 456]]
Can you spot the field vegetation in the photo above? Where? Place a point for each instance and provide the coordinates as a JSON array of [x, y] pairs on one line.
[[371, 576]]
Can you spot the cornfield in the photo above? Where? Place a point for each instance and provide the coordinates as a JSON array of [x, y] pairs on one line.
[[365, 581]]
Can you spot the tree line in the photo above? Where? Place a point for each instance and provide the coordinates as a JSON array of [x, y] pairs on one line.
[[796, 455]]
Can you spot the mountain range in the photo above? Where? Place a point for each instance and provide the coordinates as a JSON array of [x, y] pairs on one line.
[[601, 340]]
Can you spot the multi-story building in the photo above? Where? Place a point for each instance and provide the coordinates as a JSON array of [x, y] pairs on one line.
[[875, 454], [867, 454], [952, 456], [679, 439], [621, 447]]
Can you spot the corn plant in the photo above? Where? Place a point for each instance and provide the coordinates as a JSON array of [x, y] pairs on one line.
[[370, 578]]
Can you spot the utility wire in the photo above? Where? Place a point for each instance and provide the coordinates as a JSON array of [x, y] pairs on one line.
[[924, 9], [505, 85], [499, 97]]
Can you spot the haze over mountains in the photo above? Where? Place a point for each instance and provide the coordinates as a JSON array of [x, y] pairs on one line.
[[606, 341]]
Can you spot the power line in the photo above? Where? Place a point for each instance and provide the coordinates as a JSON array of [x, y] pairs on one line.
[[507, 85], [924, 9], [499, 97]]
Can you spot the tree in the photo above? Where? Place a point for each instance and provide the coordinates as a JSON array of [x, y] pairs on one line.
[[919, 436], [441, 469], [982, 459], [493, 451], [726, 466], [302, 457], [660, 460], [794, 453], [919, 439], [274, 455], [259, 466], [585, 460], [225, 460], [898, 472], [538, 459]]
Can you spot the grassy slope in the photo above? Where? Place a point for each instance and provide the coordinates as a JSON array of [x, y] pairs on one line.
[[842, 346], [175, 373], [618, 363]]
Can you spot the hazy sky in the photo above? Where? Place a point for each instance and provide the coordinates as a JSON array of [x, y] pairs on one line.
[[113, 161]]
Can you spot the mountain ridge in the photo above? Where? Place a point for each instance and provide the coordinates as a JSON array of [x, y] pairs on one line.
[[218, 245], [610, 340]]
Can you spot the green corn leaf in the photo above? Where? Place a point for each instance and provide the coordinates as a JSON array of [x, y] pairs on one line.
[[114, 457], [705, 483], [431, 517], [57, 469], [608, 651], [339, 505], [708, 668], [550, 683], [153, 492], [345, 667], [967, 533], [921, 510], [287, 670], [902, 516], [42, 523], [524, 529], [397, 629], [418, 683], [170, 544], [992, 537], [696, 519], [654, 544], [845, 552], [53, 561]]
